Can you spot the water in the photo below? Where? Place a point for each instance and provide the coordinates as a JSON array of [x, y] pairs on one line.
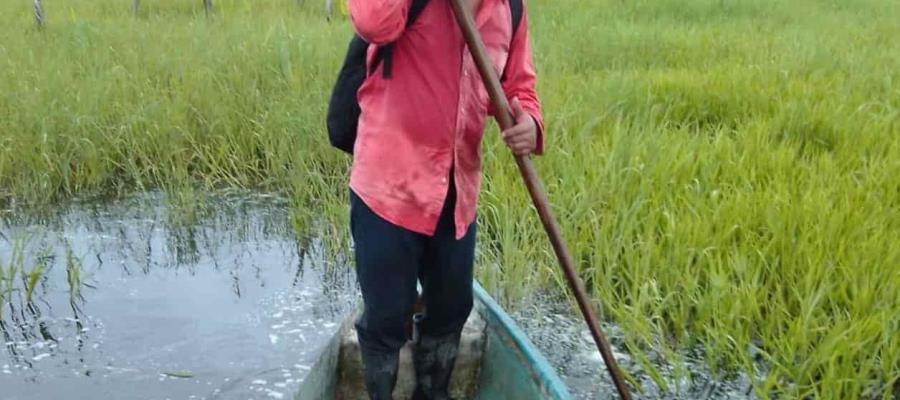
[[131, 307], [133, 303], [566, 342]]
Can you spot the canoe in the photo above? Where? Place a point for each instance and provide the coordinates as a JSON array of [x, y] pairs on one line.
[[496, 362]]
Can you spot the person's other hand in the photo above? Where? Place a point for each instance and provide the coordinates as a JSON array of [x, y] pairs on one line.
[[522, 137]]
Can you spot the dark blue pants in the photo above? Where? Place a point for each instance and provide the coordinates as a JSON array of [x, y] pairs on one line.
[[389, 262]]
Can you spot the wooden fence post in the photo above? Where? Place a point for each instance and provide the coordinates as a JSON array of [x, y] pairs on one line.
[[209, 7], [135, 5], [38, 13], [329, 9]]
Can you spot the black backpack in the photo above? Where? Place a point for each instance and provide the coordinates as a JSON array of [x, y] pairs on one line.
[[343, 109]]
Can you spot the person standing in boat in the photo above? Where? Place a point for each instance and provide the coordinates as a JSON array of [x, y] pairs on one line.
[[416, 175]]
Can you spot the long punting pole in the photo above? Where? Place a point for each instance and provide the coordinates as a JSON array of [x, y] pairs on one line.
[[535, 189]]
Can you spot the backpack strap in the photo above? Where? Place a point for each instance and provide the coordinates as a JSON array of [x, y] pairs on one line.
[[385, 53], [516, 9]]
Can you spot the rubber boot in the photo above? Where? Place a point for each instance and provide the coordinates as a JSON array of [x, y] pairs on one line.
[[434, 358], [380, 374]]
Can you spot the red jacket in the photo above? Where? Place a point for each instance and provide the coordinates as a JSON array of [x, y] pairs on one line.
[[428, 118]]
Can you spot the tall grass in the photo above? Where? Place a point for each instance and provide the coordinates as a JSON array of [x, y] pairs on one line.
[[727, 173]]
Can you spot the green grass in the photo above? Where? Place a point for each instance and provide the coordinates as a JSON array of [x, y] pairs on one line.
[[17, 282], [726, 172]]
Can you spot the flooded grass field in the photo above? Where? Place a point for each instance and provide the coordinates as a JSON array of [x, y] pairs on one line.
[[117, 301], [566, 342], [229, 308]]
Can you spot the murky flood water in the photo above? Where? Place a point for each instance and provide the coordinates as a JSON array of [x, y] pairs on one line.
[[128, 307], [566, 342], [111, 301]]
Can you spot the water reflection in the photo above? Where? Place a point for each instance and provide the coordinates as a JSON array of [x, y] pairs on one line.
[[126, 292], [567, 343]]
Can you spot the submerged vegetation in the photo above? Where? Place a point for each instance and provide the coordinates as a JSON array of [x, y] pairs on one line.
[[727, 173], [26, 265]]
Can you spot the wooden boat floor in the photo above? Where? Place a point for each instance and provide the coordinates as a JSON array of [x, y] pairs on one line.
[[465, 379]]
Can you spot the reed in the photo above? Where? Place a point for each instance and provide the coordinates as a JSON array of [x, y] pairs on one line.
[[727, 173], [10, 267]]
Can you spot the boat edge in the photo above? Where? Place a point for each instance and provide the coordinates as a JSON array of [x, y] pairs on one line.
[[541, 367]]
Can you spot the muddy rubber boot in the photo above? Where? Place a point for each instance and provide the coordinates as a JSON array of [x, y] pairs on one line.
[[380, 374], [434, 358]]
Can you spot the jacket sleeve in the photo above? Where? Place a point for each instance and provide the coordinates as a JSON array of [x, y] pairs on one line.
[[379, 21], [520, 78]]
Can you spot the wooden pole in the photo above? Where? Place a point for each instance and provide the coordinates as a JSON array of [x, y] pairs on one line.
[[135, 6], [536, 190], [208, 5], [38, 13]]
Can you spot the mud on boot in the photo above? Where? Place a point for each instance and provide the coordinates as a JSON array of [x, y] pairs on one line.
[[380, 373], [434, 358]]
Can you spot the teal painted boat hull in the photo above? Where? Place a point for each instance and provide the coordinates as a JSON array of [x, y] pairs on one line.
[[511, 366]]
